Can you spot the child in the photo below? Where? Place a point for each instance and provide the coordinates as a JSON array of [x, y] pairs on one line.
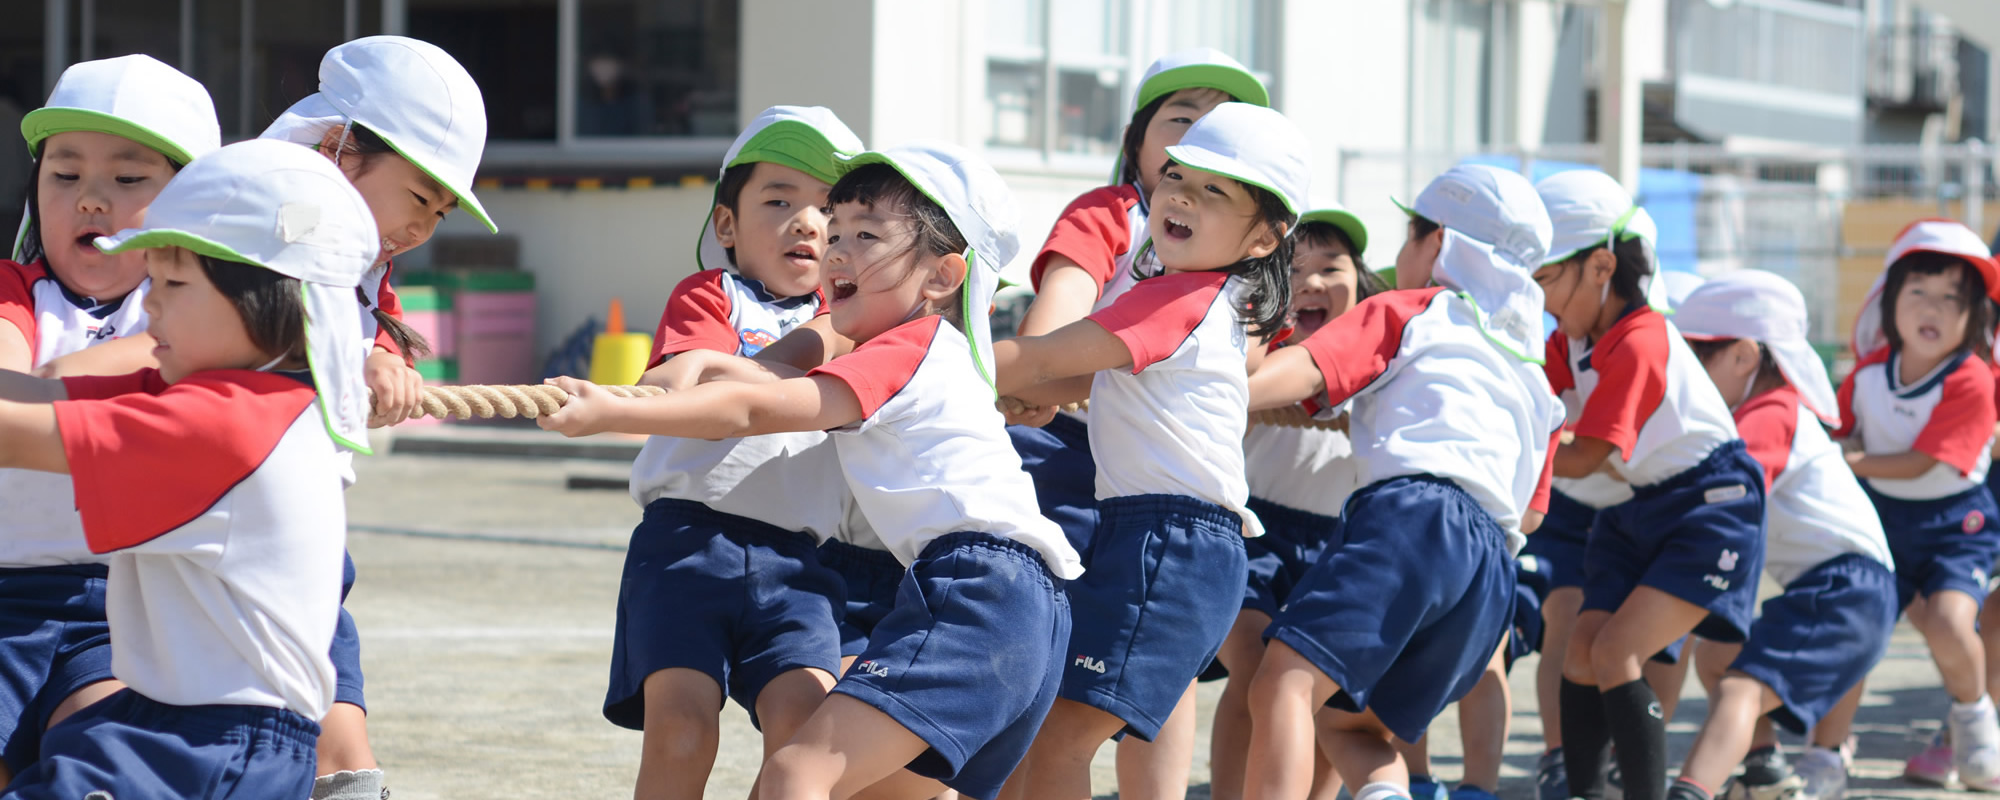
[[214, 483], [1686, 551], [1452, 421], [1920, 407], [1087, 262], [1832, 624], [1299, 478], [407, 125], [112, 135], [956, 679], [1168, 363], [688, 633]]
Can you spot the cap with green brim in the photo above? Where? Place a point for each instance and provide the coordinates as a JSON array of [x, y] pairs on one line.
[[1334, 214], [1255, 145], [1194, 68], [810, 139]]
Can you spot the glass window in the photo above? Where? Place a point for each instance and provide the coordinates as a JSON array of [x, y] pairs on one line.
[[657, 68], [509, 47]]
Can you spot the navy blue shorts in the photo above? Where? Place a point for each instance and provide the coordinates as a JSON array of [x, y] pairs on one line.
[[1820, 637], [1947, 543], [1057, 458], [970, 659], [1556, 550], [133, 748], [1406, 611], [1698, 536], [348, 685], [53, 641], [1152, 607], [1292, 542], [871, 578], [730, 597], [1524, 636]]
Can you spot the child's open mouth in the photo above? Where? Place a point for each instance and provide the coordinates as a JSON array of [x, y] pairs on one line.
[[1929, 332], [1310, 318], [87, 240], [843, 288], [1177, 230], [803, 256]]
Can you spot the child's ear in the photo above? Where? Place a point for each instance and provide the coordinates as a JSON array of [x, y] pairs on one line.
[[1264, 239], [1601, 264], [944, 277], [725, 225]]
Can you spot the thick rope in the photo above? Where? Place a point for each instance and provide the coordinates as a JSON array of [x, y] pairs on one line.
[[507, 402]]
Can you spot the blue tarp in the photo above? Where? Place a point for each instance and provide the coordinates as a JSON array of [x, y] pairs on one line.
[[1668, 195]]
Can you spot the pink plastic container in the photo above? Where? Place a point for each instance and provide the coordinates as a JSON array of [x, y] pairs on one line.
[[496, 337], [440, 328]]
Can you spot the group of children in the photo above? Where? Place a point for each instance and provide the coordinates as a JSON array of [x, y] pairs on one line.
[[867, 521]]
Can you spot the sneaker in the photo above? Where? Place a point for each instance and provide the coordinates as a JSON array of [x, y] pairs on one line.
[[1466, 791], [1975, 734], [1789, 787], [1551, 780], [1934, 764], [1823, 773], [1423, 787]]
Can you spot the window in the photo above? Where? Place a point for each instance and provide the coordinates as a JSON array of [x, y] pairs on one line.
[[1058, 83], [509, 47]]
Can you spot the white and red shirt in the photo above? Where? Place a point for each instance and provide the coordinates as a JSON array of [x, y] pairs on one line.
[[1947, 414], [1814, 508], [1175, 423], [1641, 389], [1428, 393], [1308, 469], [788, 480], [218, 500], [1104, 231], [38, 520], [930, 455]]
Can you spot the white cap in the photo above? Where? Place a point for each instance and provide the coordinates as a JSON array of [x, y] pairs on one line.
[[1194, 68], [810, 139], [1757, 305], [1495, 232], [136, 97], [289, 210], [411, 93], [1591, 209], [1942, 236], [982, 207], [1254, 145], [1679, 284]]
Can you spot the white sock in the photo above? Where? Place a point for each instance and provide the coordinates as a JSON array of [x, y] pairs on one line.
[[1983, 703], [361, 784], [1382, 790]]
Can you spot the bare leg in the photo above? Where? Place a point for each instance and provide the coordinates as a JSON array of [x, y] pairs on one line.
[[1955, 646], [343, 740], [677, 750], [1284, 698], [1229, 742], [846, 746], [1834, 728], [1726, 735], [1058, 764], [1482, 723], [1158, 770]]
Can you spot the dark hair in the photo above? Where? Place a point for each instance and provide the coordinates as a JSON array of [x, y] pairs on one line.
[[271, 305], [881, 186], [1634, 264], [1269, 302], [729, 191], [365, 143], [1971, 286], [1135, 134], [407, 339], [1422, 227], [1320, 234], [1706, 349], [31, 239]]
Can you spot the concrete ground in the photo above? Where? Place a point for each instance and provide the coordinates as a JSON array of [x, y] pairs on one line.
[[485, 604]]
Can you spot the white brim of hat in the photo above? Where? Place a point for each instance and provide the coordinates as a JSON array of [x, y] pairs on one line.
[[308, 121]]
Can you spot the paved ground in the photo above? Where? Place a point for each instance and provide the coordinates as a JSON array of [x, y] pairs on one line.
[[485, 604]]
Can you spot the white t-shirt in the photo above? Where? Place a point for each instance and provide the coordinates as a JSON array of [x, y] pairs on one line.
[[788, 480], [1641, 389], [1428, 393], [1174, 424], [219, 501], [1947, 414], [1308, 469], [38, 520], [1814, 507], [930, 455]]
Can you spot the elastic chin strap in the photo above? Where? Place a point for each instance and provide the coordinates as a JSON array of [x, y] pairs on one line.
[[272, 364], [340, 147]]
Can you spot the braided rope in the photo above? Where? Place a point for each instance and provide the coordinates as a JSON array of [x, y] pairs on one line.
[[507, 402]]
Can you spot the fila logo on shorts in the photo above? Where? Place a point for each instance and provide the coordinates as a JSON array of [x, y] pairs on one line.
[[1089, 663]]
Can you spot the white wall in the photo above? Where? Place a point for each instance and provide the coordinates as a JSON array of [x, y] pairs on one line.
[[809, 52]]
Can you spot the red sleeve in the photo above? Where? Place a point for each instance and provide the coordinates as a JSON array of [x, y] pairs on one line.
[[386, 299], [1555, 364], [1961, 425], [696, 318], [1631, 364], [1159, 314], [1767, 424], [882, 366], [1093, 231], [1355, 348], [144, 464], [104, 387], [17, 297], [1540, 500]]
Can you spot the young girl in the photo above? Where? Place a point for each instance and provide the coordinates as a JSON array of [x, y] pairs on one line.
[[956, 679], [407, 125], [1168, 367], [214, 483], [1918, 413], [689, 636], [1452, 421], [111, 136], [1299, 478], [1832, 624], [1087, 263]]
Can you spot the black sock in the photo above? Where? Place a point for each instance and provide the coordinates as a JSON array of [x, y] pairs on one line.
[[1765, 766], [1586, 739], [1687, 790], [1640, 731]]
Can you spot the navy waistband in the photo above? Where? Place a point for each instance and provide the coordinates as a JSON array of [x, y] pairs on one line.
[[1168, 505], [1717, 460], [55, 570], [1445, 485], [1879, 499], [260, 722], [742, 529], [966, 539], [837, 550]]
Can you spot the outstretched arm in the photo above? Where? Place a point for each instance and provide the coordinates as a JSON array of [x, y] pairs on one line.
[[29, 438], [1076, 350], [719, 410], [1285, 378], [1911, 464], [694, 367]]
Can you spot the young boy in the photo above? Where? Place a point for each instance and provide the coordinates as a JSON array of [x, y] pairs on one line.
[[722, 514]]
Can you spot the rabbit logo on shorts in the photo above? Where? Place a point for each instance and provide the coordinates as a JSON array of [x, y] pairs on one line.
[[1727, 562]]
